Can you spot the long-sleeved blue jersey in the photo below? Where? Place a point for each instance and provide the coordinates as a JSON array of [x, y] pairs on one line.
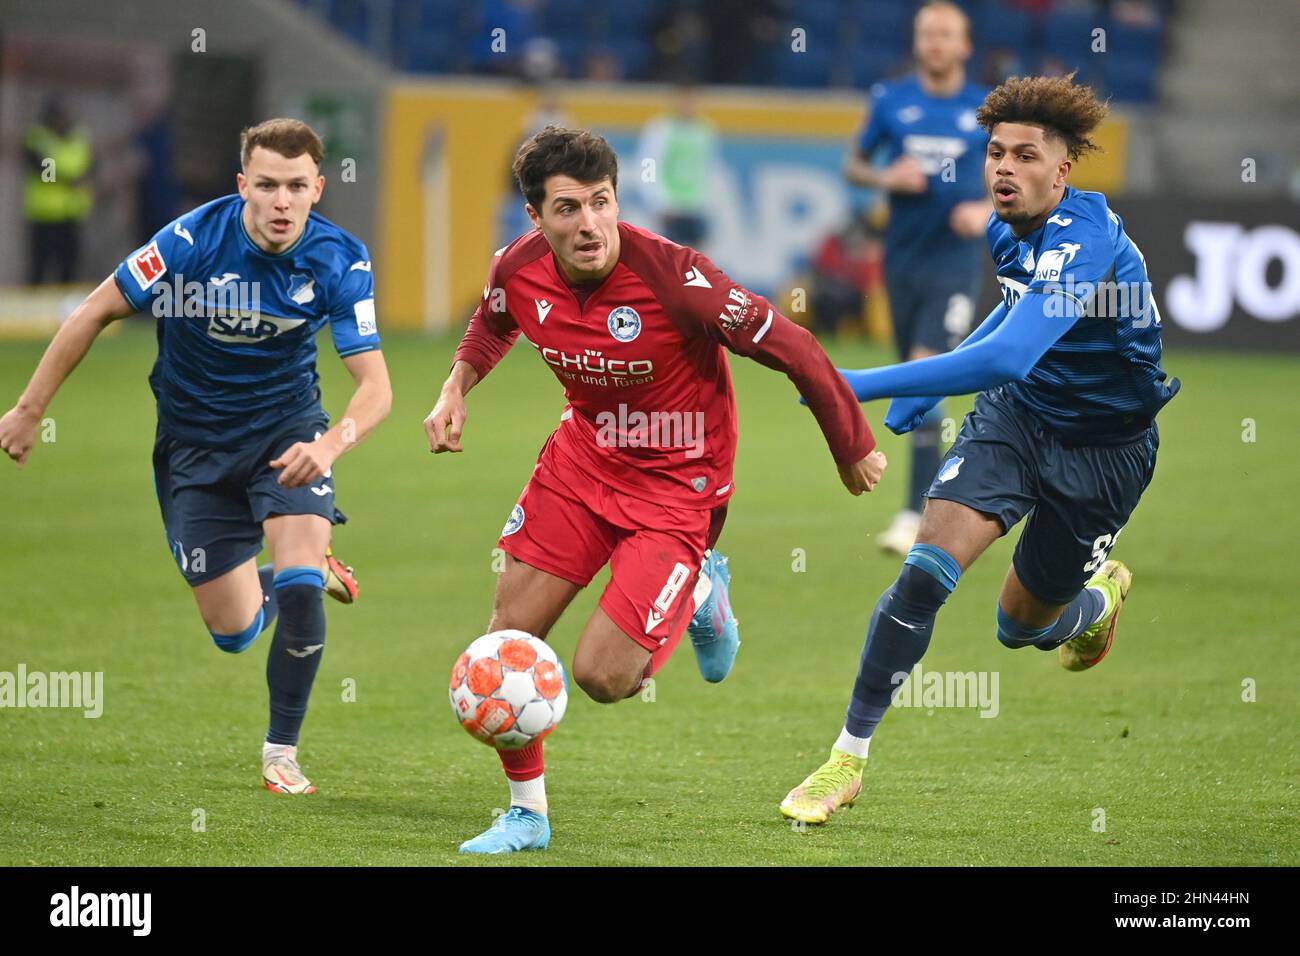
[[1077, 337]]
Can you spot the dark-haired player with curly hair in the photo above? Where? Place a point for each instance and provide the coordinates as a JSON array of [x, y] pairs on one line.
[[638, 471], [1063, 430]]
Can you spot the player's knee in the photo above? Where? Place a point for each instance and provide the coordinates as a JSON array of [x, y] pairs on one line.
[[239, 641], [928, 576], [601, 684], [1013, 634], [299, 592]]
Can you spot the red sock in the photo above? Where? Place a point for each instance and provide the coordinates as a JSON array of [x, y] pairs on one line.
[[525, 764]]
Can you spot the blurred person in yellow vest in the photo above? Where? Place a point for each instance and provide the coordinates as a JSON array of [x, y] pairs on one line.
[[59, 196]]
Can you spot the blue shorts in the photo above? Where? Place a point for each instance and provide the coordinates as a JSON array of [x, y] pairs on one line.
[[214, 500], [1007, 464], [932, 310]]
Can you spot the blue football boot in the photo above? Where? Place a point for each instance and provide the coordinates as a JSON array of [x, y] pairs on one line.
[[714, 630], [516, 829]]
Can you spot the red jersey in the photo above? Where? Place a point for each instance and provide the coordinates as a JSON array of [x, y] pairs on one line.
[[651, 407]]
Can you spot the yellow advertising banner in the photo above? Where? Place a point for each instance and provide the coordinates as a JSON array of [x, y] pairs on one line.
[[448, 202]]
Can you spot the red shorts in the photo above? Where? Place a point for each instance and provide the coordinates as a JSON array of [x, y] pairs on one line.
[[570, 525]]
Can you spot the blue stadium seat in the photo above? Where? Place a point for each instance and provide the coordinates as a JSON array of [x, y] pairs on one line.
[[427, 51], [1067, 34], [871, 66], [816, 16], [1132, 79], [560, 17], [352, 19], [885, 19], [633, 51], [1010, 27], [433, 14], [804, 69], [1142, 42]]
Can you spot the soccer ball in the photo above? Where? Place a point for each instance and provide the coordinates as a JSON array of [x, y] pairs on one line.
[[508, 689]]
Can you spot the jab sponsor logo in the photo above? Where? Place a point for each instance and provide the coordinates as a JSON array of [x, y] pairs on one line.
[[624, 323]]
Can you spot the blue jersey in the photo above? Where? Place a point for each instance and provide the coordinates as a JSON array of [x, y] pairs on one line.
[[941, 134], [1101, 381], [237, 326]]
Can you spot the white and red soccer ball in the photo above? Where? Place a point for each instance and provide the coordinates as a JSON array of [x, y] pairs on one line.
[[508, 689]]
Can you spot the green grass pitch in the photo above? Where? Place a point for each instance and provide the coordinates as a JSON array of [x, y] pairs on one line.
[[1157, 743]]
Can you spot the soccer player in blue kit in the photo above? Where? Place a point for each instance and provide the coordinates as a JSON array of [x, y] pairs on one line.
[[934, 257], [240, 287], [1063, 430]]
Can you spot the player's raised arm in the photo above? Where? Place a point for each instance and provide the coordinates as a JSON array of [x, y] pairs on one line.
[[1007, 354], [749, 325], [69, 345], [489, 337]]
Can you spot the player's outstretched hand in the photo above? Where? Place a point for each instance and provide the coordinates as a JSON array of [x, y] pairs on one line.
[[18, 434], [865, 474], [303, 462], [446, 422], [906, 414]]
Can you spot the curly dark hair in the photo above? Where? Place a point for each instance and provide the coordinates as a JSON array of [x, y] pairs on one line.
[[556, 151], [1054, 103]]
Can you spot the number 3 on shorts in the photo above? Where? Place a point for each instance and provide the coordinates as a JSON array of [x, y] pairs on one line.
[[1101, 551]]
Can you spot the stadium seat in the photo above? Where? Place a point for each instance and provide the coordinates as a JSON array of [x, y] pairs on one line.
[[1067, 35], [1135, 42], [1132, 79], [1010, 27], [352, 18], [803, 69], [871, 66], [427, 51]]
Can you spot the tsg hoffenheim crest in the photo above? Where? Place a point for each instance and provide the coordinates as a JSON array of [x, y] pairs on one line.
[[302, 289], [624, 323]]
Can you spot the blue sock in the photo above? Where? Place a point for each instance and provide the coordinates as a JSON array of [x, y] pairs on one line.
[[266, 574], [926, 455], [1078, 616], [899, 633], [295, 651]]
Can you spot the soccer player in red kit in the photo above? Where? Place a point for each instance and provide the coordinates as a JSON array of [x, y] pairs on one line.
[[639, 471]]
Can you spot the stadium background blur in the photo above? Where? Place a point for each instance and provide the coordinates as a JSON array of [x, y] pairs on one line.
[[421, 114], [421, 103]]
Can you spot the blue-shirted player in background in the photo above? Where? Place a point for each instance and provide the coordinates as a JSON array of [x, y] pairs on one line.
[[1068, 368], [934, 257], [241, 286]]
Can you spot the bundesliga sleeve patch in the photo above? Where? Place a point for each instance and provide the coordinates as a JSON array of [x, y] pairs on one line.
[[365, 313], [147, 265]]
